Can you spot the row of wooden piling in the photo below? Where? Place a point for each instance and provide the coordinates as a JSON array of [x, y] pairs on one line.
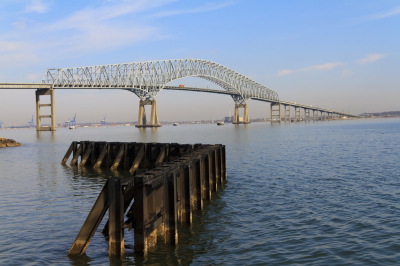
[[130, 156], [154, 201]]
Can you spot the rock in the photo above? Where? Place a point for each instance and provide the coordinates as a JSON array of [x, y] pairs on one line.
[[8, 143]]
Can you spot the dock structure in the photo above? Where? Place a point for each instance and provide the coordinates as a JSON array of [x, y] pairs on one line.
[[169, 181]]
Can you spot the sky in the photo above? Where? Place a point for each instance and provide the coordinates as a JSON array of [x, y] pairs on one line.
[[342, 55]]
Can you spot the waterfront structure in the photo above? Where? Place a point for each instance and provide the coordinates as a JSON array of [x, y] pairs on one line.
[[104, 122], [31, 123], [147, 79], [169, 181]]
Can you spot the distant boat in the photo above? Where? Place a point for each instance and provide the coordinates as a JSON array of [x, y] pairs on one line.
[[220, 123], [175, 124], [71, 127]]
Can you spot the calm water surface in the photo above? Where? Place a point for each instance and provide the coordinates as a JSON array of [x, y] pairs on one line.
[[319, 193]]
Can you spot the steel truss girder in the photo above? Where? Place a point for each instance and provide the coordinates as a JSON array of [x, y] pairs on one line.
[[147, 79]]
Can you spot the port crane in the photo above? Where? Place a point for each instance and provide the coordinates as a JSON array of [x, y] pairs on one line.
[[104, 122], [71, 122], [31, 123]]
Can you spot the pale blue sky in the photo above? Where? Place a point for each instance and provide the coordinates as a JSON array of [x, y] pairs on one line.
[[341, 55]]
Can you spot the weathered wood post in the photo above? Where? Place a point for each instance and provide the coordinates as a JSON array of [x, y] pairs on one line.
[[68, 153], [171, 212], [197, 202], [217, 153], [91, 223], [140, 245], [76, 155], [116, 218], [212, 173], [186, 196], [206, 177], [223, 162]]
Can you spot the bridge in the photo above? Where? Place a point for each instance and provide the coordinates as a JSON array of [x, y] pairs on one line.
[[148, 79]]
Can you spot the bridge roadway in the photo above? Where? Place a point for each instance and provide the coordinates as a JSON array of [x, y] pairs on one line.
[[46, 89], [293, 104]]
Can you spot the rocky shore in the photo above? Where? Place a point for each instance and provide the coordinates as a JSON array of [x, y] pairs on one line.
[[8, 143]]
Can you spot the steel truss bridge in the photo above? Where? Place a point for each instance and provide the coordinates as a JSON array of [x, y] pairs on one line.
[[147, 79]]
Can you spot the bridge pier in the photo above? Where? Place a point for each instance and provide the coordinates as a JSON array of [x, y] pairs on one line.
[[52, 115], [287, 113], [306, 114], [297, 113], [236, 120], [142, 121], [275, 116], [315, 115]]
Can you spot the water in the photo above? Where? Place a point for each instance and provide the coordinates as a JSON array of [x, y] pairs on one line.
[[319, 193]]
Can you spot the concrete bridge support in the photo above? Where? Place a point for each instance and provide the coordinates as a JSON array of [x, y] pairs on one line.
[[236, 118], [276, 113], [297, 114], [52, 115], [287, 113], [315, 115], [142, 121], [306, 114]]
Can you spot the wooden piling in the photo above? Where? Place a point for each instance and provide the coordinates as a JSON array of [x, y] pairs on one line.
[[68, 153], [171, 214], [116, 218], [176, 180], [91, 223], [86, 155]]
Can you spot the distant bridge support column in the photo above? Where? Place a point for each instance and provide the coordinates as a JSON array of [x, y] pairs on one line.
[[297, 114], [287, 113], [52, 115], [306, 114], [142, 121], [236, 118], [276, 112], [315, 115]]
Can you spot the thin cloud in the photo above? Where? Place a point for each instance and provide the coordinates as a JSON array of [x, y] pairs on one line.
[[86, 31], [19, 25], [205, 8], [371, 58], [285, 72], [394, 12], [323, 67], [37, 6], [327, 66], [346, 73]]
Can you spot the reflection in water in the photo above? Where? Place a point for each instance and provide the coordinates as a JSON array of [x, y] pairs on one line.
[[44, 134], [149, 134], [81, 260]]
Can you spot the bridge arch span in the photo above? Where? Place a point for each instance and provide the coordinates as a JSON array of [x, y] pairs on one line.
[[147, 79]]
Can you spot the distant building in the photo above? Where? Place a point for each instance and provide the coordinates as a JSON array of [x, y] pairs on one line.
[[228, 119]]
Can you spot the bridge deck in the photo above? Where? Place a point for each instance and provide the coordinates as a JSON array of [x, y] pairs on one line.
[[49, 86], [25, 86], [258, 99]]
